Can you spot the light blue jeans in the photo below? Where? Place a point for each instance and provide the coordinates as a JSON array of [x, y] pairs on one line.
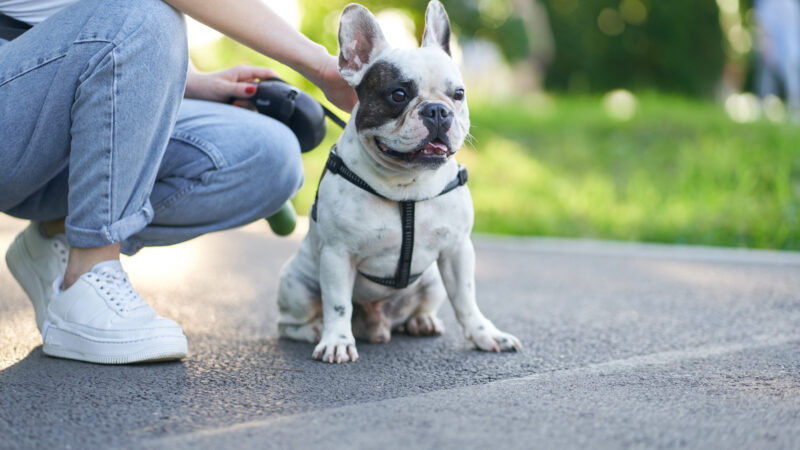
[[94, 128], [779, 49]]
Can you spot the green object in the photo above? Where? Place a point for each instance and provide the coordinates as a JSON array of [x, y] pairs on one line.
[[284, 221]]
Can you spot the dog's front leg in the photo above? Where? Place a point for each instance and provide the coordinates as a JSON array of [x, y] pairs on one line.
[[336, 277], [457, 266]]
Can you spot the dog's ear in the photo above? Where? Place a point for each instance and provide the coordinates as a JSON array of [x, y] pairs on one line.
[[361, 41], [437, 27]]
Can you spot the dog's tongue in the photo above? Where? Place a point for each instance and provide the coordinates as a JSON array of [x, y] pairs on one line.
[[436, 145]]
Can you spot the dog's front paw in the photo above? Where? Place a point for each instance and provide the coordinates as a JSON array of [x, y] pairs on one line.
[[336, 349], [488, 338]]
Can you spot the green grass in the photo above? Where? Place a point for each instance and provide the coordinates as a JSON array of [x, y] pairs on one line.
[[680, 171]]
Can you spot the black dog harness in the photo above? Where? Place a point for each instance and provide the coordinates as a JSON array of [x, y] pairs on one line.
[[402, 277]]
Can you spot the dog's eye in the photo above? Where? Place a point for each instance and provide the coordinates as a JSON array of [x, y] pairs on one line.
[[458, 95], [399, 96]]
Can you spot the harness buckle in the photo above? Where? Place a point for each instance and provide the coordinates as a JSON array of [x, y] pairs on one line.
[[463, 176], [333, 164]]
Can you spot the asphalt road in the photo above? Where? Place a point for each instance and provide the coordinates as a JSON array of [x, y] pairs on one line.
[[626, 345]]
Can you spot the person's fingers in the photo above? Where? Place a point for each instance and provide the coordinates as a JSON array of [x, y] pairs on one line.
[[246, 104], [251, 73], [242, 90]]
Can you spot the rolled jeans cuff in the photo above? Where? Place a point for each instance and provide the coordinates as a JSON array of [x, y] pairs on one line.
[[110, 234]]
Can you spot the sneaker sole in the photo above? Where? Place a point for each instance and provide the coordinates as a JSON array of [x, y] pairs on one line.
[[66, 344], [17, 263]]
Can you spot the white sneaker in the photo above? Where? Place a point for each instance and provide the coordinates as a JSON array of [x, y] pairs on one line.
[[36, 262], [101, 319]]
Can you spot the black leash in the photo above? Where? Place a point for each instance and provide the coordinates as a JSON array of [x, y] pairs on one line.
[[333, 117], [402, 277]]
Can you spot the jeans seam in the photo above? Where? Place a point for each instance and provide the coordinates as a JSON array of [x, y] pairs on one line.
[[93, 40], [174, 198], [37, 66], [51, 59], [208, 149], [86, 72], [110, 183]]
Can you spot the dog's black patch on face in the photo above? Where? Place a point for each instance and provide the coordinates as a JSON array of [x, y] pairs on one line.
[[339, 310], [376, 106]]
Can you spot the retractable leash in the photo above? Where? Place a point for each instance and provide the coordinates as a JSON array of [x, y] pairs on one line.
[[295, 108], [305, 117]]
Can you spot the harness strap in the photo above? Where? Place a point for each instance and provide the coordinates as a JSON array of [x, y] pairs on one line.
[[407, 246], [403, 276], [336, 165], [461, 179], [390, 282]]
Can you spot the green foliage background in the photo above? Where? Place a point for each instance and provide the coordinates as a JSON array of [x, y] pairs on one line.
[[558, 165], [680, 171], [677, 49], [488, 19]]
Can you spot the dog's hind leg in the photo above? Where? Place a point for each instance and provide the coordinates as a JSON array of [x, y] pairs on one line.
[[423, 321], [299, 305], [370, 322]]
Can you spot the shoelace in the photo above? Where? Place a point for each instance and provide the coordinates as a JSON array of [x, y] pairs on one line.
[[114, 282]]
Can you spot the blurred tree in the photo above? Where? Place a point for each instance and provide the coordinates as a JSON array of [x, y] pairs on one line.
[[674, 45], [495, 20]]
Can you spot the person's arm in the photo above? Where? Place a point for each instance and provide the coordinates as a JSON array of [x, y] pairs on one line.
[[254, 24]]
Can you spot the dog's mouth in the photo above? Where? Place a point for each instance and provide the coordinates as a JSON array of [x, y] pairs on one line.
[[433, 152]]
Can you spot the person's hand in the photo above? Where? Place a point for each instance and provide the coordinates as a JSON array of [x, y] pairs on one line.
[[235, 82], [338, 91]]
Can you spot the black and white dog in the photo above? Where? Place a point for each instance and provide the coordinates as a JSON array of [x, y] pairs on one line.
[[392, 188]]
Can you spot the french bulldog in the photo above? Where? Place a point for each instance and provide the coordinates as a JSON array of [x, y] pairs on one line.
[[411, 118]]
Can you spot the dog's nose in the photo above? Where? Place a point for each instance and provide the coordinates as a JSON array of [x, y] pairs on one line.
[[437, 114]]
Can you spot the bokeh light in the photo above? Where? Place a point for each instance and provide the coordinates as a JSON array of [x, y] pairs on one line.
[[743, 107], [620, 104], [774, 110], [633, 11], [610, 22]]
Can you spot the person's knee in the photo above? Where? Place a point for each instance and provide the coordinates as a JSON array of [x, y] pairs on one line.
[[159, 19], [276, 168], [284, 164], [155, 34], [253, 160]]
